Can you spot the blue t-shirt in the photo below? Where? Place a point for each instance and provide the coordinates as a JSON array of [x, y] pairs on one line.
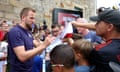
[[37, 65], [18, 36], [92, 37], [82, 69]]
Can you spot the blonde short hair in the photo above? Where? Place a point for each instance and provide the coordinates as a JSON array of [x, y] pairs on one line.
[[83, 47]]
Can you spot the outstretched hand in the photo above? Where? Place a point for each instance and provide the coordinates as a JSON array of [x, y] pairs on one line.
[[74, 23], [70, 41], [48, 40]]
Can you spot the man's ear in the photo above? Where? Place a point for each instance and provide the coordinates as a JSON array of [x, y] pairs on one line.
[[59, 69], [78, 54], [110, 27], [23, 18]]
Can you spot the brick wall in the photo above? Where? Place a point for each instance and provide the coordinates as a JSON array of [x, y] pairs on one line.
[[10, 9]]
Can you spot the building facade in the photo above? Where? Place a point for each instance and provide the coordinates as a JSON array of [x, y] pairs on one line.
[[10, 9]]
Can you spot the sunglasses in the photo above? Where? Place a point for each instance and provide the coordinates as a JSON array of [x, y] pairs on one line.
[[53, 65]]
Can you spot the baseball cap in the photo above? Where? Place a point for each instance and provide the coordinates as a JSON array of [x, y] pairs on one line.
[[99, 10], [110, 16]]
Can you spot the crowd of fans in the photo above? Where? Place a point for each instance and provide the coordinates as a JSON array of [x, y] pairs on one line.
[[86, 51]]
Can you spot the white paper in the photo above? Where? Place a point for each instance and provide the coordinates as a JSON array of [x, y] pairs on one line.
[[68, 29]]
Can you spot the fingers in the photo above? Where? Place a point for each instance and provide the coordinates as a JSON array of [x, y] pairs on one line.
[[49, 39], [73, 23], [70, 41], [65, 40]]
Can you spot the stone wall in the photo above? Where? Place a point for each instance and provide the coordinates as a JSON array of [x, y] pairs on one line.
[[10, 9]]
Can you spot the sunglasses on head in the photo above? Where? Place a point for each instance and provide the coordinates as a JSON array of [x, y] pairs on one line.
[[53, 65]]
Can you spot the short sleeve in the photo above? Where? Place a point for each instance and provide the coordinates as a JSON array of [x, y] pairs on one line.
[[15, 38]]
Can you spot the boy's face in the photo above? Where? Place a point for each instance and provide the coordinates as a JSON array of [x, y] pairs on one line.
[[76, 56]]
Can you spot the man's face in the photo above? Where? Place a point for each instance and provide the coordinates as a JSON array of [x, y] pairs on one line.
[[29, 20], [101, 28], [5, 27], [56, 31], [81, 30]]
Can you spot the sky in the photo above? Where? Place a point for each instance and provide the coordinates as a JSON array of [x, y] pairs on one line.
[[108, 3]]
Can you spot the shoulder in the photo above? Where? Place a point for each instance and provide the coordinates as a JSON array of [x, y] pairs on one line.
[[15, 29], [92, 32], [82, 69]]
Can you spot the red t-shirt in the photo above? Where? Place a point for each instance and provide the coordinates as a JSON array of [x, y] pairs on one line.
[[1, 35]]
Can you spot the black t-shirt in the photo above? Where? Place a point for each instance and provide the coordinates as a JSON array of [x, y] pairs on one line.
[[103, 54]]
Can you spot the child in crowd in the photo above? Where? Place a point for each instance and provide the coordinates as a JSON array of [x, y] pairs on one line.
[[62, 58], [82, 49]]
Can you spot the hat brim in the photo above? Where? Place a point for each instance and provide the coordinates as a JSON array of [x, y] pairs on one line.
[[94, 18]]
